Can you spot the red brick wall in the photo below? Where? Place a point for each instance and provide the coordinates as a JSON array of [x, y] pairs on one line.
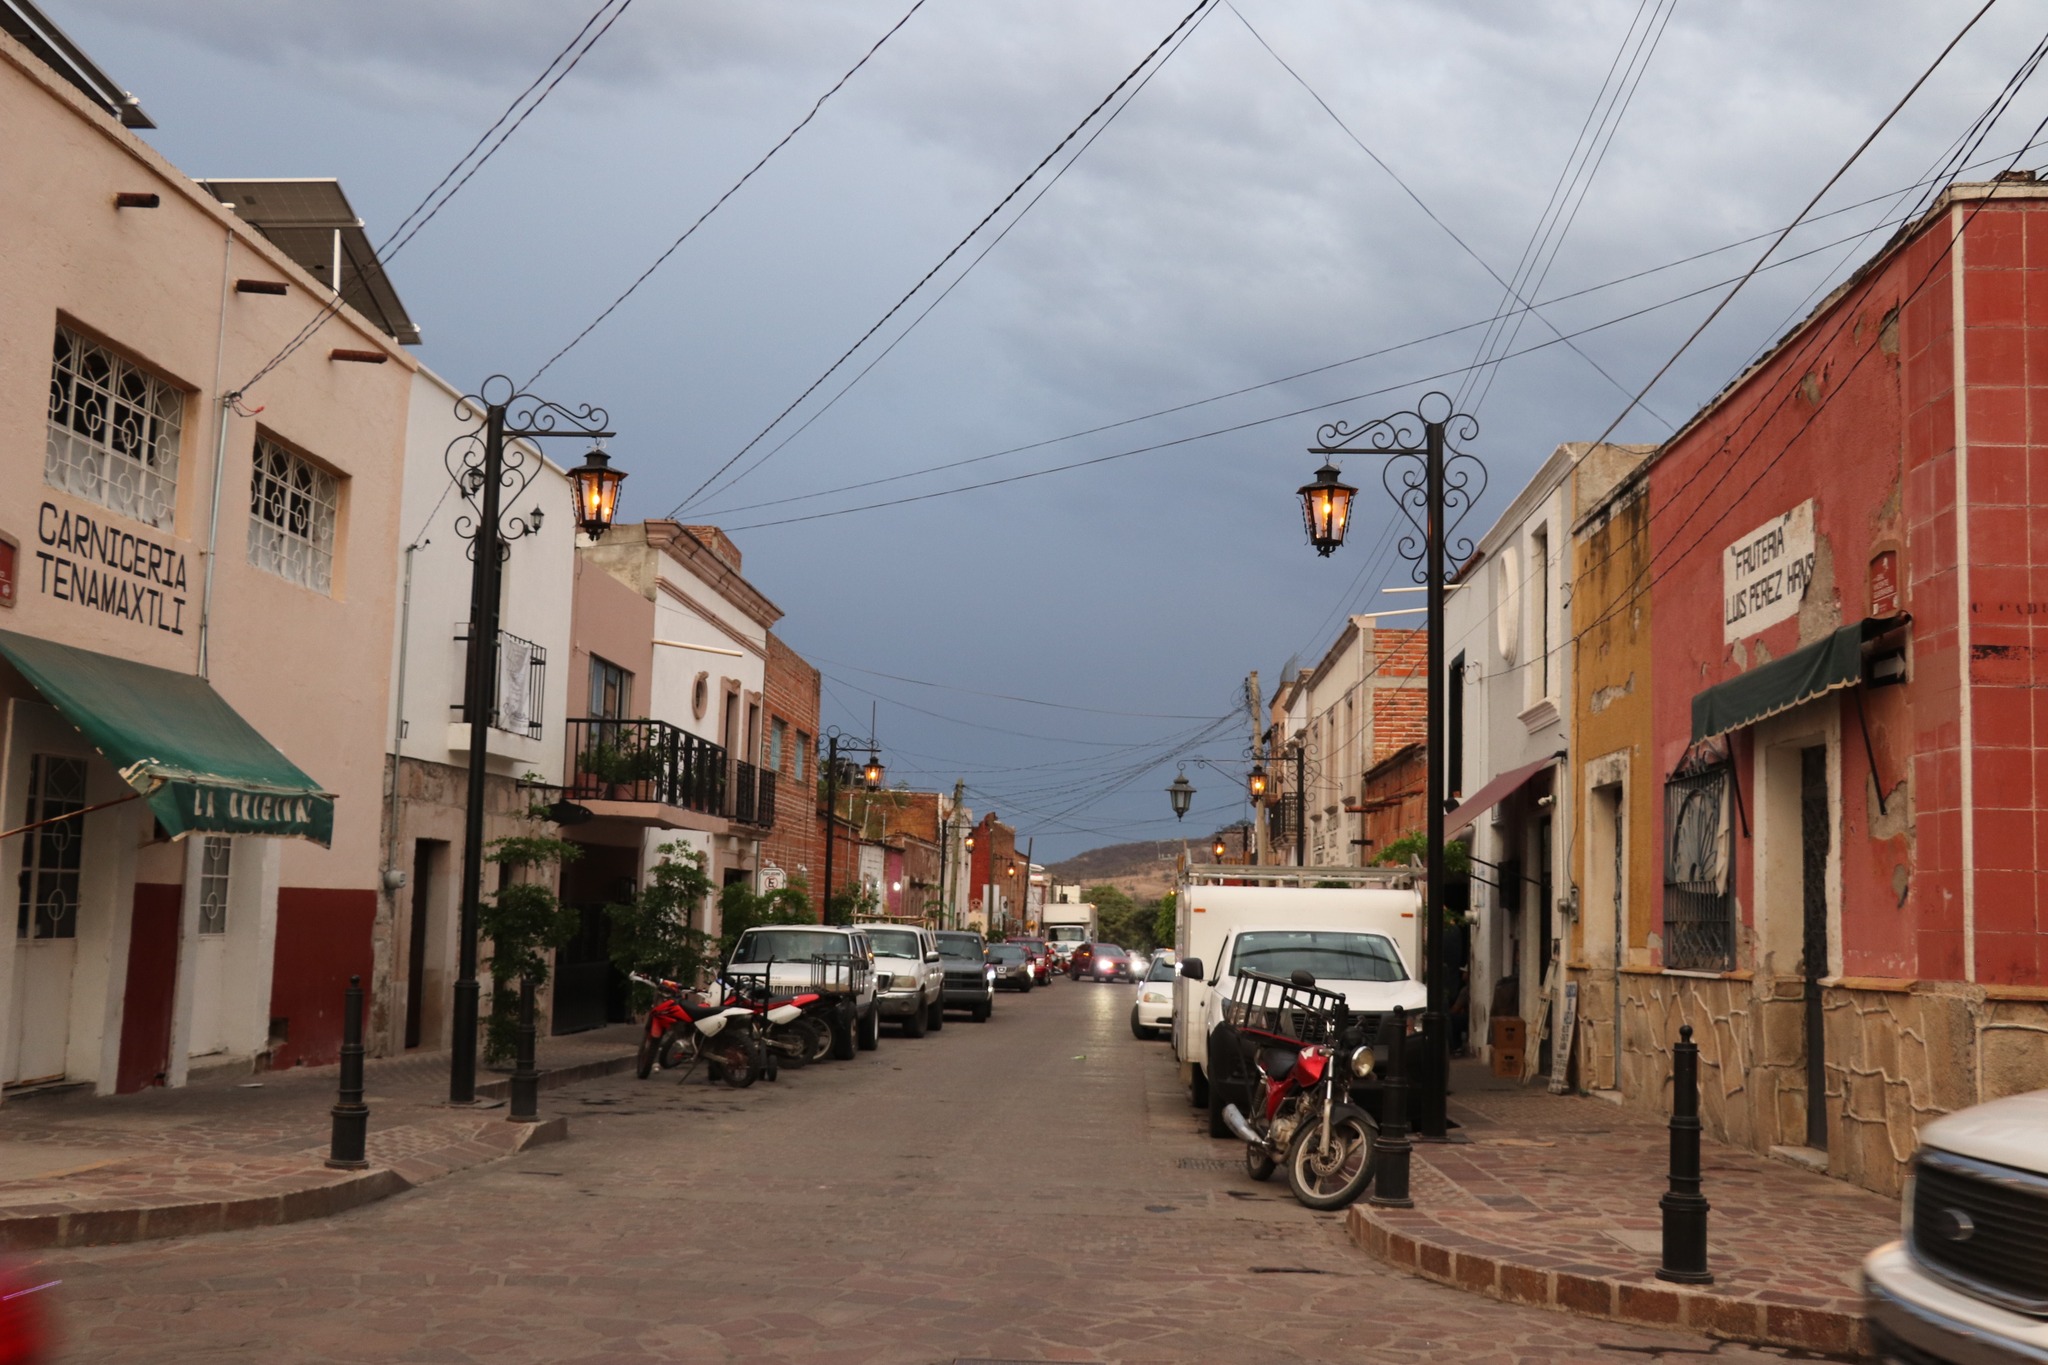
[[796, 842], [1859, 412], [995, 845]]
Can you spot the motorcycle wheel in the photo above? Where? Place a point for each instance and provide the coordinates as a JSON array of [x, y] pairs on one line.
[[817, 1037], [676, 1053], [1338, 1181], [1258, 1165], [795, 1052], [738, 1068], [650, 1048]]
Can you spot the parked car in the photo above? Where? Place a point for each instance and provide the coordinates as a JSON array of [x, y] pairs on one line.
[[1152, 1011], [834, 960], [1041, 958], [1965, 1283], [1102, 962], [910, 982], [969, 979], [1014, 970]]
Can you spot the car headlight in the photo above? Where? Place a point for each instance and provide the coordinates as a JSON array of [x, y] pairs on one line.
[[1154, 998], [989, 973], [1361, 1062]]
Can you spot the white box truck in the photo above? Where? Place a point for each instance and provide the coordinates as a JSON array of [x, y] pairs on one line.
[[1357, 930], [1068, 925]]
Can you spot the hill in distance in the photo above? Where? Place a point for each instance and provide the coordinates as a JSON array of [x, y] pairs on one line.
[[1142, 871]]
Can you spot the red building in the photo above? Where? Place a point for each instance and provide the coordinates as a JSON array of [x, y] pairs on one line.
[[794, 848], [995, 885], [1852, 871]]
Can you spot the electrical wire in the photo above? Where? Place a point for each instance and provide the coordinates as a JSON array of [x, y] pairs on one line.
[[422, 214], [731, 190], [955, 250]]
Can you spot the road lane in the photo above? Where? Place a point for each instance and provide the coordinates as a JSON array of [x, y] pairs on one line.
[[1032, 1188]]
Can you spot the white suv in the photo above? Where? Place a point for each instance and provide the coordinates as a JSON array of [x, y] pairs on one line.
[[1969, 1283], [910, 981], [835, 960]]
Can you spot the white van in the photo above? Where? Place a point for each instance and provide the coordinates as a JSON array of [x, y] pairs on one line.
[[1379, 902]]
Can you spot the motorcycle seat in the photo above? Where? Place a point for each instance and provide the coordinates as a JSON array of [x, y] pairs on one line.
[[695, 1011], [1277, 1063]]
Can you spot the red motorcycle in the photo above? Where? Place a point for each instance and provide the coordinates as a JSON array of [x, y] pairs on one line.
[[680, 1031], [789, 1024], [1302, 1049]]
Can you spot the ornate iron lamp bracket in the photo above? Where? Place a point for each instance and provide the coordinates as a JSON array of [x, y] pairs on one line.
[[1402, 440], [523, 417]]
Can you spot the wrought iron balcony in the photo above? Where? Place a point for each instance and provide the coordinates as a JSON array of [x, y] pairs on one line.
[[646, 760], [753, 795]]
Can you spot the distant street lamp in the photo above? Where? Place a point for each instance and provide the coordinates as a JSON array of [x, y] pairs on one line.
[[871, 777], [1181, 794], [1219, 848], [489, 476], [1434, 484]]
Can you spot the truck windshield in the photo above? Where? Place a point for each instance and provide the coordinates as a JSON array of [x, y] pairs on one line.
[[895, 942], [785, 945], [1330, 955], [964, 949]]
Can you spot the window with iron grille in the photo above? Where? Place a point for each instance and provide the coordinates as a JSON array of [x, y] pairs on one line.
[[293, 507], [1699, 900], [113, 431], [215, 862]]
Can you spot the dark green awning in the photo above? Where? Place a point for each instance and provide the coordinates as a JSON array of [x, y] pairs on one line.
[[1808, 672], [199, 765]]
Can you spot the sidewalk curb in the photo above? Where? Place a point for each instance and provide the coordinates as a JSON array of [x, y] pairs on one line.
[[57, 1228], [561, 1076], [1481, 1268]]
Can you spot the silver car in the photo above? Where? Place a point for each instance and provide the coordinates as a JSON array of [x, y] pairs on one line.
[[910, 980]]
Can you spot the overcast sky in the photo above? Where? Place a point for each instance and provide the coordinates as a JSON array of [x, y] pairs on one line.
[[1222, 232]]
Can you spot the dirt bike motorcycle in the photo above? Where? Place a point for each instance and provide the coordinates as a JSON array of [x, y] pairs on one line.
[[681, 1032], [790, 1027], [1302, 1050]]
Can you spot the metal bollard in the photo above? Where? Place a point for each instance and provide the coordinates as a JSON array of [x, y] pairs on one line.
[[351, 1116], [525, 1079], [1685, 1210], [1390, 1181]]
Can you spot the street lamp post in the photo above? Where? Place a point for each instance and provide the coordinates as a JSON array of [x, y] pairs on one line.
[[1434, 484], [871, 778], [488, 476]]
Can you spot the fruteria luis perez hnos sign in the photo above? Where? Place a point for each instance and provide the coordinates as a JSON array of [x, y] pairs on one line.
[[1764, 574]]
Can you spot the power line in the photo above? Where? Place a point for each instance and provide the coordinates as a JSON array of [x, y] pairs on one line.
[[719, 203], [955, 250], [960, 278], [1005, 696], [411, 224]]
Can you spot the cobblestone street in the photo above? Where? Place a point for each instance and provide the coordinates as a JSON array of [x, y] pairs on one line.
[[1033, 1188]]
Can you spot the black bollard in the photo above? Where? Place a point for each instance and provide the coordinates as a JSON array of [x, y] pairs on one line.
[[351, 1115], [525, 1079], [1685, 1210], [1390, 1180]]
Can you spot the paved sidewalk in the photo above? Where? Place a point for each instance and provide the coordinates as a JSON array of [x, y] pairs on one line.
[[234, 1150], [1552, 1201]]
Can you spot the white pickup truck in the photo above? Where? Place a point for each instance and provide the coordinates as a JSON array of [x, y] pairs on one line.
[[1362, 940]]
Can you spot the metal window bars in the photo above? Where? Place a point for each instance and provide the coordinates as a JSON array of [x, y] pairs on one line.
[[114, 431], [1699, 904], [519, 683], [646, 760]]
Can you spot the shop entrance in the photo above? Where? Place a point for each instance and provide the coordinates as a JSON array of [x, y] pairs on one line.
[[589, 991], [46, 920]]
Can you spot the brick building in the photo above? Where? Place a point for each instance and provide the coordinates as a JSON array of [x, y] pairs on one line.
[[1852, 895], [794, 846], [995, 875]]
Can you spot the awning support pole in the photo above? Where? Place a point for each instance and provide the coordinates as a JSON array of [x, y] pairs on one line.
[[1869, 751], [70, 815], [1735, 783]]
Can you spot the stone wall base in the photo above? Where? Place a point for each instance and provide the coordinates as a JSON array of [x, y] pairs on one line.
[[1898, 1055]]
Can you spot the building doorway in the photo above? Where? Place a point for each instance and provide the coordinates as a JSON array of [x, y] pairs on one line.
[[46, 919], [210, 947], [427, 855], [1814, 839], [589, 991]]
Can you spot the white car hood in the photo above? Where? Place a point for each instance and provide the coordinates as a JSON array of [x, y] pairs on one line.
[[2010, 1132]]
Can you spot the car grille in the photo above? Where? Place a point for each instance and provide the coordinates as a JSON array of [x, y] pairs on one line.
[[1983, 1226]]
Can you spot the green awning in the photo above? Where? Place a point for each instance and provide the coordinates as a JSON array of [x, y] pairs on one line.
[[1808, 672], [199, 765]]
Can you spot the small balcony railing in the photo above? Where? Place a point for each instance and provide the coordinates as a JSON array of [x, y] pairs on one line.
[[519, 675], [646, 760], [753, 794]]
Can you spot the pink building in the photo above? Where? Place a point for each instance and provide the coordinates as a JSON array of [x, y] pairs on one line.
[[196, 598]]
